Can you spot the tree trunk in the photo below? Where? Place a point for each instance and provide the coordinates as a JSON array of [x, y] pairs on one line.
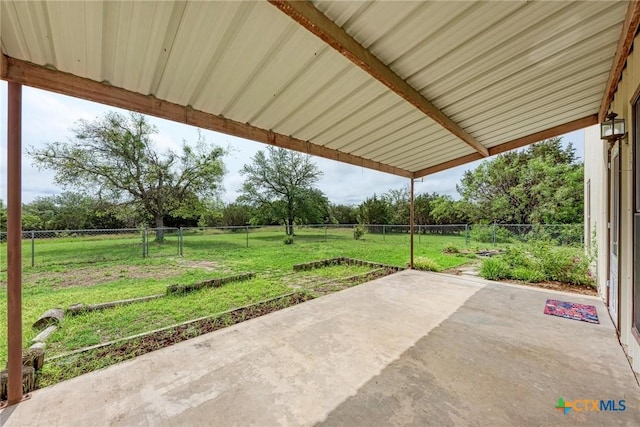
[[290, 226], [159, 228]]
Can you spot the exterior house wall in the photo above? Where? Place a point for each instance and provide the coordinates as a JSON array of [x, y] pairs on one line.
[[596, 158], [596, 203]]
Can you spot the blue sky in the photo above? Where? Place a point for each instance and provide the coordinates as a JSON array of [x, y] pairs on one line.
[[48, 117]]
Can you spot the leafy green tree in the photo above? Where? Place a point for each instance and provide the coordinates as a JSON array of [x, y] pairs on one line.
[[279, 184], [69, 211], [344, 214], [375, 211], [236, 214], [422, 209], [313, 207], [445, 210], [115, 157], [542, 184], [40, 214], [399, 201]]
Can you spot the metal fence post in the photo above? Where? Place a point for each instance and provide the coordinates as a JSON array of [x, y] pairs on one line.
[[325, 232], [419, 228], [493, 237], [33, 248], [466, 234], [180, 237], [146, 241], [247, 232], [383, 231], [144, 244]]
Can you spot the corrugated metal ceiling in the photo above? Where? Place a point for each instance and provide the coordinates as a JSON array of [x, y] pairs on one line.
[[501, 70]]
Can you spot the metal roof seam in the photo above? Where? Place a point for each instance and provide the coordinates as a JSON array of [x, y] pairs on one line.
[[266, 58], [232, 31], [287, 85]]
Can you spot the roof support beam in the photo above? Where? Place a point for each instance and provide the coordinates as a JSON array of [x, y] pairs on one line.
[[29, 74], [306, 14], [625, 42], [512, 145]]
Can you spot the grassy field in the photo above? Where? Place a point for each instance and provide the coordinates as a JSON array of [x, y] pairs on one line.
[[98, 269]]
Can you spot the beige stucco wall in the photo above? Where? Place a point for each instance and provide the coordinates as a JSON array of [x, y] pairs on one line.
[[596, 172]]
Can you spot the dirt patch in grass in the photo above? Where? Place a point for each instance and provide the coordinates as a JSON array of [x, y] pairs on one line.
[[204, 265], [95, 275]]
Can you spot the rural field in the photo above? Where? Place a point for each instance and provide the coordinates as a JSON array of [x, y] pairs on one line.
[[98, 269]]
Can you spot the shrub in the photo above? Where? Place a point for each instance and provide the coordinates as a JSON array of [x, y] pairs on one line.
[[358, 231], [495, 269], [521, 256], [484, 234], [565, 265], [426, 264], [451, 249], [288, 240], [539, 261], [527, 274]]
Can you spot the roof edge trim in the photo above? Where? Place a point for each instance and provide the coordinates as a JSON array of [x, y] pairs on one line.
[[513, 144], [625, 42], [33, 75]]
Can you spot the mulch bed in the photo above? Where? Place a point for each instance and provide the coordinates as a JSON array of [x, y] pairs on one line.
[[558, 286]]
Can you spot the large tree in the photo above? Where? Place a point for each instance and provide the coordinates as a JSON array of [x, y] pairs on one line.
[[375, 211], [115, 157], [542, 184], [279, 183]]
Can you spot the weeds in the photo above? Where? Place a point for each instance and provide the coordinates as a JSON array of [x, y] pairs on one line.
[[538, 262], [426, 264]]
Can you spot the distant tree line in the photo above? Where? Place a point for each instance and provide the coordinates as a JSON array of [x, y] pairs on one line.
[[117, 178]]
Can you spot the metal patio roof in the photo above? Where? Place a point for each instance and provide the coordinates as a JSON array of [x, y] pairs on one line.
[[408, 88]]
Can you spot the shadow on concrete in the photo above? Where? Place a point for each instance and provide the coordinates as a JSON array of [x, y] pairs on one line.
[[498, 360]]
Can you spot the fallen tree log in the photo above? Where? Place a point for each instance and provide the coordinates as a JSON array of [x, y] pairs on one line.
[[49, 317]]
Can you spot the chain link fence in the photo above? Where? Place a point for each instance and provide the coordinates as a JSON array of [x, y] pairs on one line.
[[53, 247]]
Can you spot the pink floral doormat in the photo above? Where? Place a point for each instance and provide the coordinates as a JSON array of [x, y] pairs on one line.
[[571, 310]]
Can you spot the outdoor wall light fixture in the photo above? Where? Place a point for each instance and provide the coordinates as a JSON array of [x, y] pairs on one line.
[[612, 129]]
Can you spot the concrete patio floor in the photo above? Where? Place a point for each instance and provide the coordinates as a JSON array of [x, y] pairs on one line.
[[409, 349]]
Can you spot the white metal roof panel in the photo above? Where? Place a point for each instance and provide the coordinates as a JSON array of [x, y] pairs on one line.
[[502, 70]]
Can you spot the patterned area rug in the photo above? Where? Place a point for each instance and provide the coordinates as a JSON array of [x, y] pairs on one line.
[[571, 310]]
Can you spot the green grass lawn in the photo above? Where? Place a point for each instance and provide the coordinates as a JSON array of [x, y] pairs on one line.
[[92, 270]]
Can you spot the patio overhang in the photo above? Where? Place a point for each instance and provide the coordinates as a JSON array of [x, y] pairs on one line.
[[406, 88]]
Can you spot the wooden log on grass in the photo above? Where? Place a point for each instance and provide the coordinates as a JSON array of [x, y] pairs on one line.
[[33, 357], [213, 283], [42, 336], [28, 381], [75, 309], [50, 317]]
